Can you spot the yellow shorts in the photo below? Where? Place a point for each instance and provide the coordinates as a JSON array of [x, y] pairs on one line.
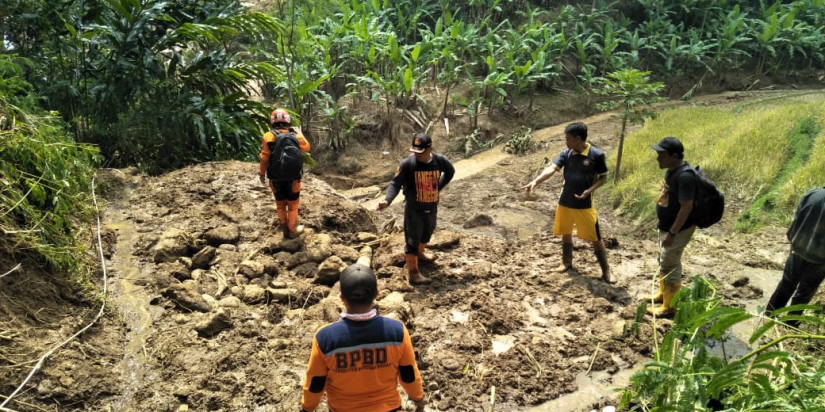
[[585, 220]]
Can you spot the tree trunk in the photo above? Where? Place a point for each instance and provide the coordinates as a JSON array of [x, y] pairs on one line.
[[616, 175], [446, 100]]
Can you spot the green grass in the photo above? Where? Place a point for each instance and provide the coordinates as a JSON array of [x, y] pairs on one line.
[[766, 209], [775, 146]]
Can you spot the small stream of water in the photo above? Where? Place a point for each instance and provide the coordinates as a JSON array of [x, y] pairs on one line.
[[132, 303]]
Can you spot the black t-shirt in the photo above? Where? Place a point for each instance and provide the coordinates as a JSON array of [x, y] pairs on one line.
[[679, 186], [580, 172], [421, 182]]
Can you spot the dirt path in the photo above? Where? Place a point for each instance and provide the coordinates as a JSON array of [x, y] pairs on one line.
[[214, 310]]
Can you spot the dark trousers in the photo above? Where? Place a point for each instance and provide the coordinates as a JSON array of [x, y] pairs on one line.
[[419, 226], [286, 190], [801, 279]]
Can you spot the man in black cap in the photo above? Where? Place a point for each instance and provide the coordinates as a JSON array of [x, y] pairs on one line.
[[422, 175], [360, 359], [676, 227]]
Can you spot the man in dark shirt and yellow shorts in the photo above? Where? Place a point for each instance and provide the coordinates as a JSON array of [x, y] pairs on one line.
[[585, 170]]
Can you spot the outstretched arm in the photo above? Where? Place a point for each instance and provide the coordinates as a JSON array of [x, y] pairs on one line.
[[544, 175]]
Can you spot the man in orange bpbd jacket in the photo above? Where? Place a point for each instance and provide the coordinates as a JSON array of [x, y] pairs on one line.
[[285, 169], [360, 359]]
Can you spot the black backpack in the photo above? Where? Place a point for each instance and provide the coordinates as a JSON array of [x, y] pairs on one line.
[[286, 163], [709, 204]]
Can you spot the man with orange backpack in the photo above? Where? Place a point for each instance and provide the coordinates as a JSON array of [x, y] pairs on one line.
[[282, 162]]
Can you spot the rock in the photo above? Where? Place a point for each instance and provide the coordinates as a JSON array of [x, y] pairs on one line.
[[277, 284], [443, 240], [252, 269], [277, 344], [388, 272], [618, 328], [228, 246], [450, 364], [329, 271], [271, 266], [173, 243], [210, 301], [187, 296], [223, 234], [297, 259], [361, 193], [214, 323], [306, 270], [281, 295], [291, 245], [391, 303], [253, 294], [319, 248], [176, 270], [394, 306], [186, 262], [197, 274], [366, 237], [742, 281], [282, 257], [598, 305], [478, 220], [392, 259], [184, 391], [203, 257], [229, 302], [481, 270], [346, 253]]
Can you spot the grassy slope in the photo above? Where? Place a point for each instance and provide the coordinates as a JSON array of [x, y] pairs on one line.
[[749, 152]]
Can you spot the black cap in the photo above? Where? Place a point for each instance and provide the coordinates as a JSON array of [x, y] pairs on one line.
[[421, 142], [358, 284], [671, 145]]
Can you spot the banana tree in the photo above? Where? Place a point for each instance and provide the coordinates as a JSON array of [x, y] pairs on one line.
[[632, 93]]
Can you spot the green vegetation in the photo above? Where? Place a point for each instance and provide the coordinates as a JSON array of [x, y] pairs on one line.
[[685, 376], [521, 142], [45, 195], [162, 84], [632, 93], [765, 208], [748, 152]]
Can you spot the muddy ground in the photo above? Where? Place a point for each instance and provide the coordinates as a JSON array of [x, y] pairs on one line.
[[209, 308]]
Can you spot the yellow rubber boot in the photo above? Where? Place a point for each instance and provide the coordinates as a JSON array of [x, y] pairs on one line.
[[668, 293], [657, 297]]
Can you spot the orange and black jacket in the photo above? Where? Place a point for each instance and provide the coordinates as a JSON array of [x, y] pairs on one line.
[[270, 137], [359, 365]]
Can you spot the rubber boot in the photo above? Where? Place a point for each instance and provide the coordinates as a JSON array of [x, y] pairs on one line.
[[292, 219], [566, 257], [657, 298], [668, 293], [414, 274], [601, 256], [281, 206], [424, 257]]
